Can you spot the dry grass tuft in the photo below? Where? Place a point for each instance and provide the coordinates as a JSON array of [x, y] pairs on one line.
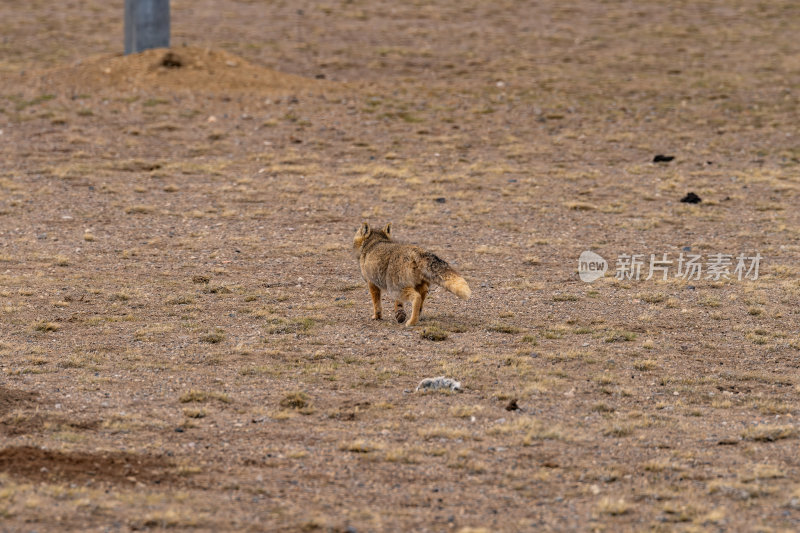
[[769, 433], [46, 326], [613, 506], [295, 400], [504, 328], [140, 210], [214, 337], [433, 333], [360, 446], [200, 396]]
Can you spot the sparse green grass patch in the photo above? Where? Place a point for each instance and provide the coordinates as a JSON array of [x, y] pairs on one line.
[[620, 336], [280, 326]]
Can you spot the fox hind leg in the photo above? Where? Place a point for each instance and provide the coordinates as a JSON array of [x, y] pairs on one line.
[[399, 312], [410, 294], [375, 292]]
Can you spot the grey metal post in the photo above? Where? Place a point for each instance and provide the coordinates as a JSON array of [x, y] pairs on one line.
[[146, 25]]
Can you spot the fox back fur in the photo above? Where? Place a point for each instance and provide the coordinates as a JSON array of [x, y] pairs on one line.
[[402, 270]]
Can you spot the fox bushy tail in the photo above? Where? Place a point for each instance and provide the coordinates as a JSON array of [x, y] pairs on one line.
[[438, 271]]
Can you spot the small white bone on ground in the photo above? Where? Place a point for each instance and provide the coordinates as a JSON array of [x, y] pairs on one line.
[[440, 382]]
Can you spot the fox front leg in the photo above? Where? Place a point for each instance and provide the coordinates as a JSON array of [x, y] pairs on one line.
[[375, 292]]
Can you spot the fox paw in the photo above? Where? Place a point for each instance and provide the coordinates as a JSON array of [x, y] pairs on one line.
[[376, 317], [400, 315]]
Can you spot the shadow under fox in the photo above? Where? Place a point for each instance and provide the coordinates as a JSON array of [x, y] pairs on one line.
[[403, 270]]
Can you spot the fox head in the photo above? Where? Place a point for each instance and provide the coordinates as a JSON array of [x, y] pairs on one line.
[[366, 233]]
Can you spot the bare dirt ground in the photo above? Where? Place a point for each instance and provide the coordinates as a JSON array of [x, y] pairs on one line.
[[185, 338]]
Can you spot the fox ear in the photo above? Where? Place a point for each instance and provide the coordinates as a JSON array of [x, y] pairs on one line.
[[388, 229], [364, 228]]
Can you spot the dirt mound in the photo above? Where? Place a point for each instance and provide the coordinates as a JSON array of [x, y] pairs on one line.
[[173, 69], [12, 398], [22, 424], [37, 464]]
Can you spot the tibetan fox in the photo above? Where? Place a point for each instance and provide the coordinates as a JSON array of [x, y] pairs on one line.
[[402, 270]]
